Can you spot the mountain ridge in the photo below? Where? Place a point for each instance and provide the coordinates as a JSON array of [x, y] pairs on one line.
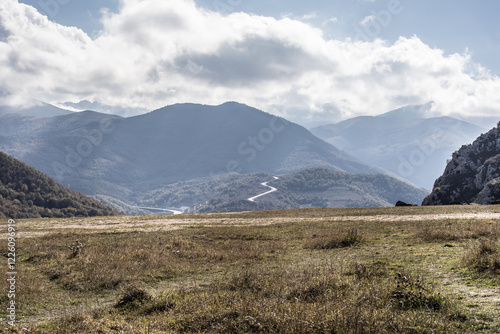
[[106, 155], [411, 147]]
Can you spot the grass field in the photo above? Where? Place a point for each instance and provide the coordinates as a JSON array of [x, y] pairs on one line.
[[384, 270]]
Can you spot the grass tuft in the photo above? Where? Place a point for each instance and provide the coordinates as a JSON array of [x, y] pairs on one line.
[[134, 296], [484, 257], [412, 294], [332, 239]]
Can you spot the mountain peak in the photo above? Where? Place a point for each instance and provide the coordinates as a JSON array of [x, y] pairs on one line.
[[411, 111]]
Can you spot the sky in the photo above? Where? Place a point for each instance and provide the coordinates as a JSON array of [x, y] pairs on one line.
[[313, 62]]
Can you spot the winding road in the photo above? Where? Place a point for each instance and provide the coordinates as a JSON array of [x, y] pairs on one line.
[[252, 199], [175, 212]]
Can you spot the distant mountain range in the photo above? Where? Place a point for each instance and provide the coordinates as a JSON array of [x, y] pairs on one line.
[[472, 175], [116, 158], [27, 193], [405, 141]]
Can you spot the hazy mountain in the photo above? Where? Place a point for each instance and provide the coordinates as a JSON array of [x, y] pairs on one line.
[[472, 175], [411, 112], [99, 107], [341, 189], [312, 187], [484, 122], [28, 193], [402, 141], [108, 155], [42, 110]]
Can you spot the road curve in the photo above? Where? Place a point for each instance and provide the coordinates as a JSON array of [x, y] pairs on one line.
[[252, 199], [175, 212]]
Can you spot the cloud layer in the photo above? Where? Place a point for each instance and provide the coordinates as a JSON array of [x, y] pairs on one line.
[[158, 52]]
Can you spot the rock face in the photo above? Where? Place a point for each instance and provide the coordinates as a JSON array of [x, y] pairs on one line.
[[472, 175]]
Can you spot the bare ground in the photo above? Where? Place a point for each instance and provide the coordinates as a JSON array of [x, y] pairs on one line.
[[39, 227]]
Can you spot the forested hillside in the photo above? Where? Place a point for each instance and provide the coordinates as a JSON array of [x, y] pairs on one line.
[[28, 193]]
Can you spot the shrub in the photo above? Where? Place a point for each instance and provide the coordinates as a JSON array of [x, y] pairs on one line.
[[75, 248]]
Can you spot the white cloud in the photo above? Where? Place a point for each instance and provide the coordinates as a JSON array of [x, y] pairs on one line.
[[158, 52], [330, 20], [310, 16], [367, 19]]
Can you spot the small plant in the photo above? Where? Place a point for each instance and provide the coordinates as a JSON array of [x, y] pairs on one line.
[[75, 248], [411, 294], [368, 271]]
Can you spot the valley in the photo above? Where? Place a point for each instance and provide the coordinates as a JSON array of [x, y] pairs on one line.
[[197, 157]]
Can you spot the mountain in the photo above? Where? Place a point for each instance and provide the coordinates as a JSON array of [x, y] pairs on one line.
[[99, 107], [116, 157], [308, 188], [402, 141], [341, 189], [472, 175], [27, 193], [42, 110], [321, 188], [411, 112]]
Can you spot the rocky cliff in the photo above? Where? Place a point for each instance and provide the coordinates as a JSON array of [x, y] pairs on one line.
[[472, 175]]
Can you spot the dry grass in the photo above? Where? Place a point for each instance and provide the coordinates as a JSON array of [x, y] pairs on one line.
[[334, 238], [484, 257], [306, 301], [452, 231], [109, 260], [307, 271]]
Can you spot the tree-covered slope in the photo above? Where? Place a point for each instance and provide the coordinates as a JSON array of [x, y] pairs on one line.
[[27, 193]]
